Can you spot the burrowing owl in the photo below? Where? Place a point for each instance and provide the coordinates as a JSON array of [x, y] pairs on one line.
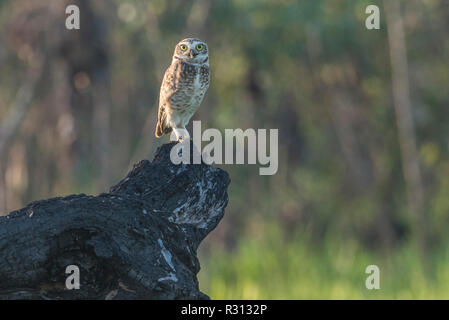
[[183, 87]]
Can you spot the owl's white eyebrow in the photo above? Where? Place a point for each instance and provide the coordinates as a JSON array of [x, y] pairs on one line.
[[192, 44]]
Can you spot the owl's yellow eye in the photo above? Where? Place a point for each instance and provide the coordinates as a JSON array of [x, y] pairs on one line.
[[183, 47], [199, 47]]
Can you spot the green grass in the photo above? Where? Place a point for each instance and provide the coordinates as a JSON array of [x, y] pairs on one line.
[[271, 267]]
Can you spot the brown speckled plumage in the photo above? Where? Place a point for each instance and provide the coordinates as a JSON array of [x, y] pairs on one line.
[[184, 85]]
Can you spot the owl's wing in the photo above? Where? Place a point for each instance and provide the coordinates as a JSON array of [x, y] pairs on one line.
[[168, 88]]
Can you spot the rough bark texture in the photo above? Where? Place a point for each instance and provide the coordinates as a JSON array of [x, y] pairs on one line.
[[138, 241]]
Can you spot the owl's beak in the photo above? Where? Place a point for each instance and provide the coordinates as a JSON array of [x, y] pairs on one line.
[[192, 54]]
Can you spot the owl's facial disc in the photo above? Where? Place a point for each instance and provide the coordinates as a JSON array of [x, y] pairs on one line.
[[192, 51]]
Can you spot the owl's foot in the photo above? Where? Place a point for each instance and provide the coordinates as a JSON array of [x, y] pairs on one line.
[[181, 134], [182, 139]]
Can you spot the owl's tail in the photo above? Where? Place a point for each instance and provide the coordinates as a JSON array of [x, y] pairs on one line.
[[162, 127], [160, 130]]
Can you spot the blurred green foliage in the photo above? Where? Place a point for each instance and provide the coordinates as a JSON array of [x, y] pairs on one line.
[[272, 267]]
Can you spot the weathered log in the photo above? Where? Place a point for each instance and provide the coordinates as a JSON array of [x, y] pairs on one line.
[[139, 241]]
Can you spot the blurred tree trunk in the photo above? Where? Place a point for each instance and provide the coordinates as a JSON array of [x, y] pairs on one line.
[[404, 119], [346, 114], [11, 124], [101, 124], [101, 101], [3, 208], [86, 54]]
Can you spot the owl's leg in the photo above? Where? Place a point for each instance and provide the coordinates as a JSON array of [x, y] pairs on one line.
[[178, 133]]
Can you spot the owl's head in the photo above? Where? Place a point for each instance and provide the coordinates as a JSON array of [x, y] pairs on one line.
[[192, 50]]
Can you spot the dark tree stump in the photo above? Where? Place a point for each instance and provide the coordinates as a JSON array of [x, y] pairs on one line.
[[139, 241]]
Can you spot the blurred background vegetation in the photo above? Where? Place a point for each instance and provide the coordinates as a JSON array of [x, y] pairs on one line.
[[362, 118]]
